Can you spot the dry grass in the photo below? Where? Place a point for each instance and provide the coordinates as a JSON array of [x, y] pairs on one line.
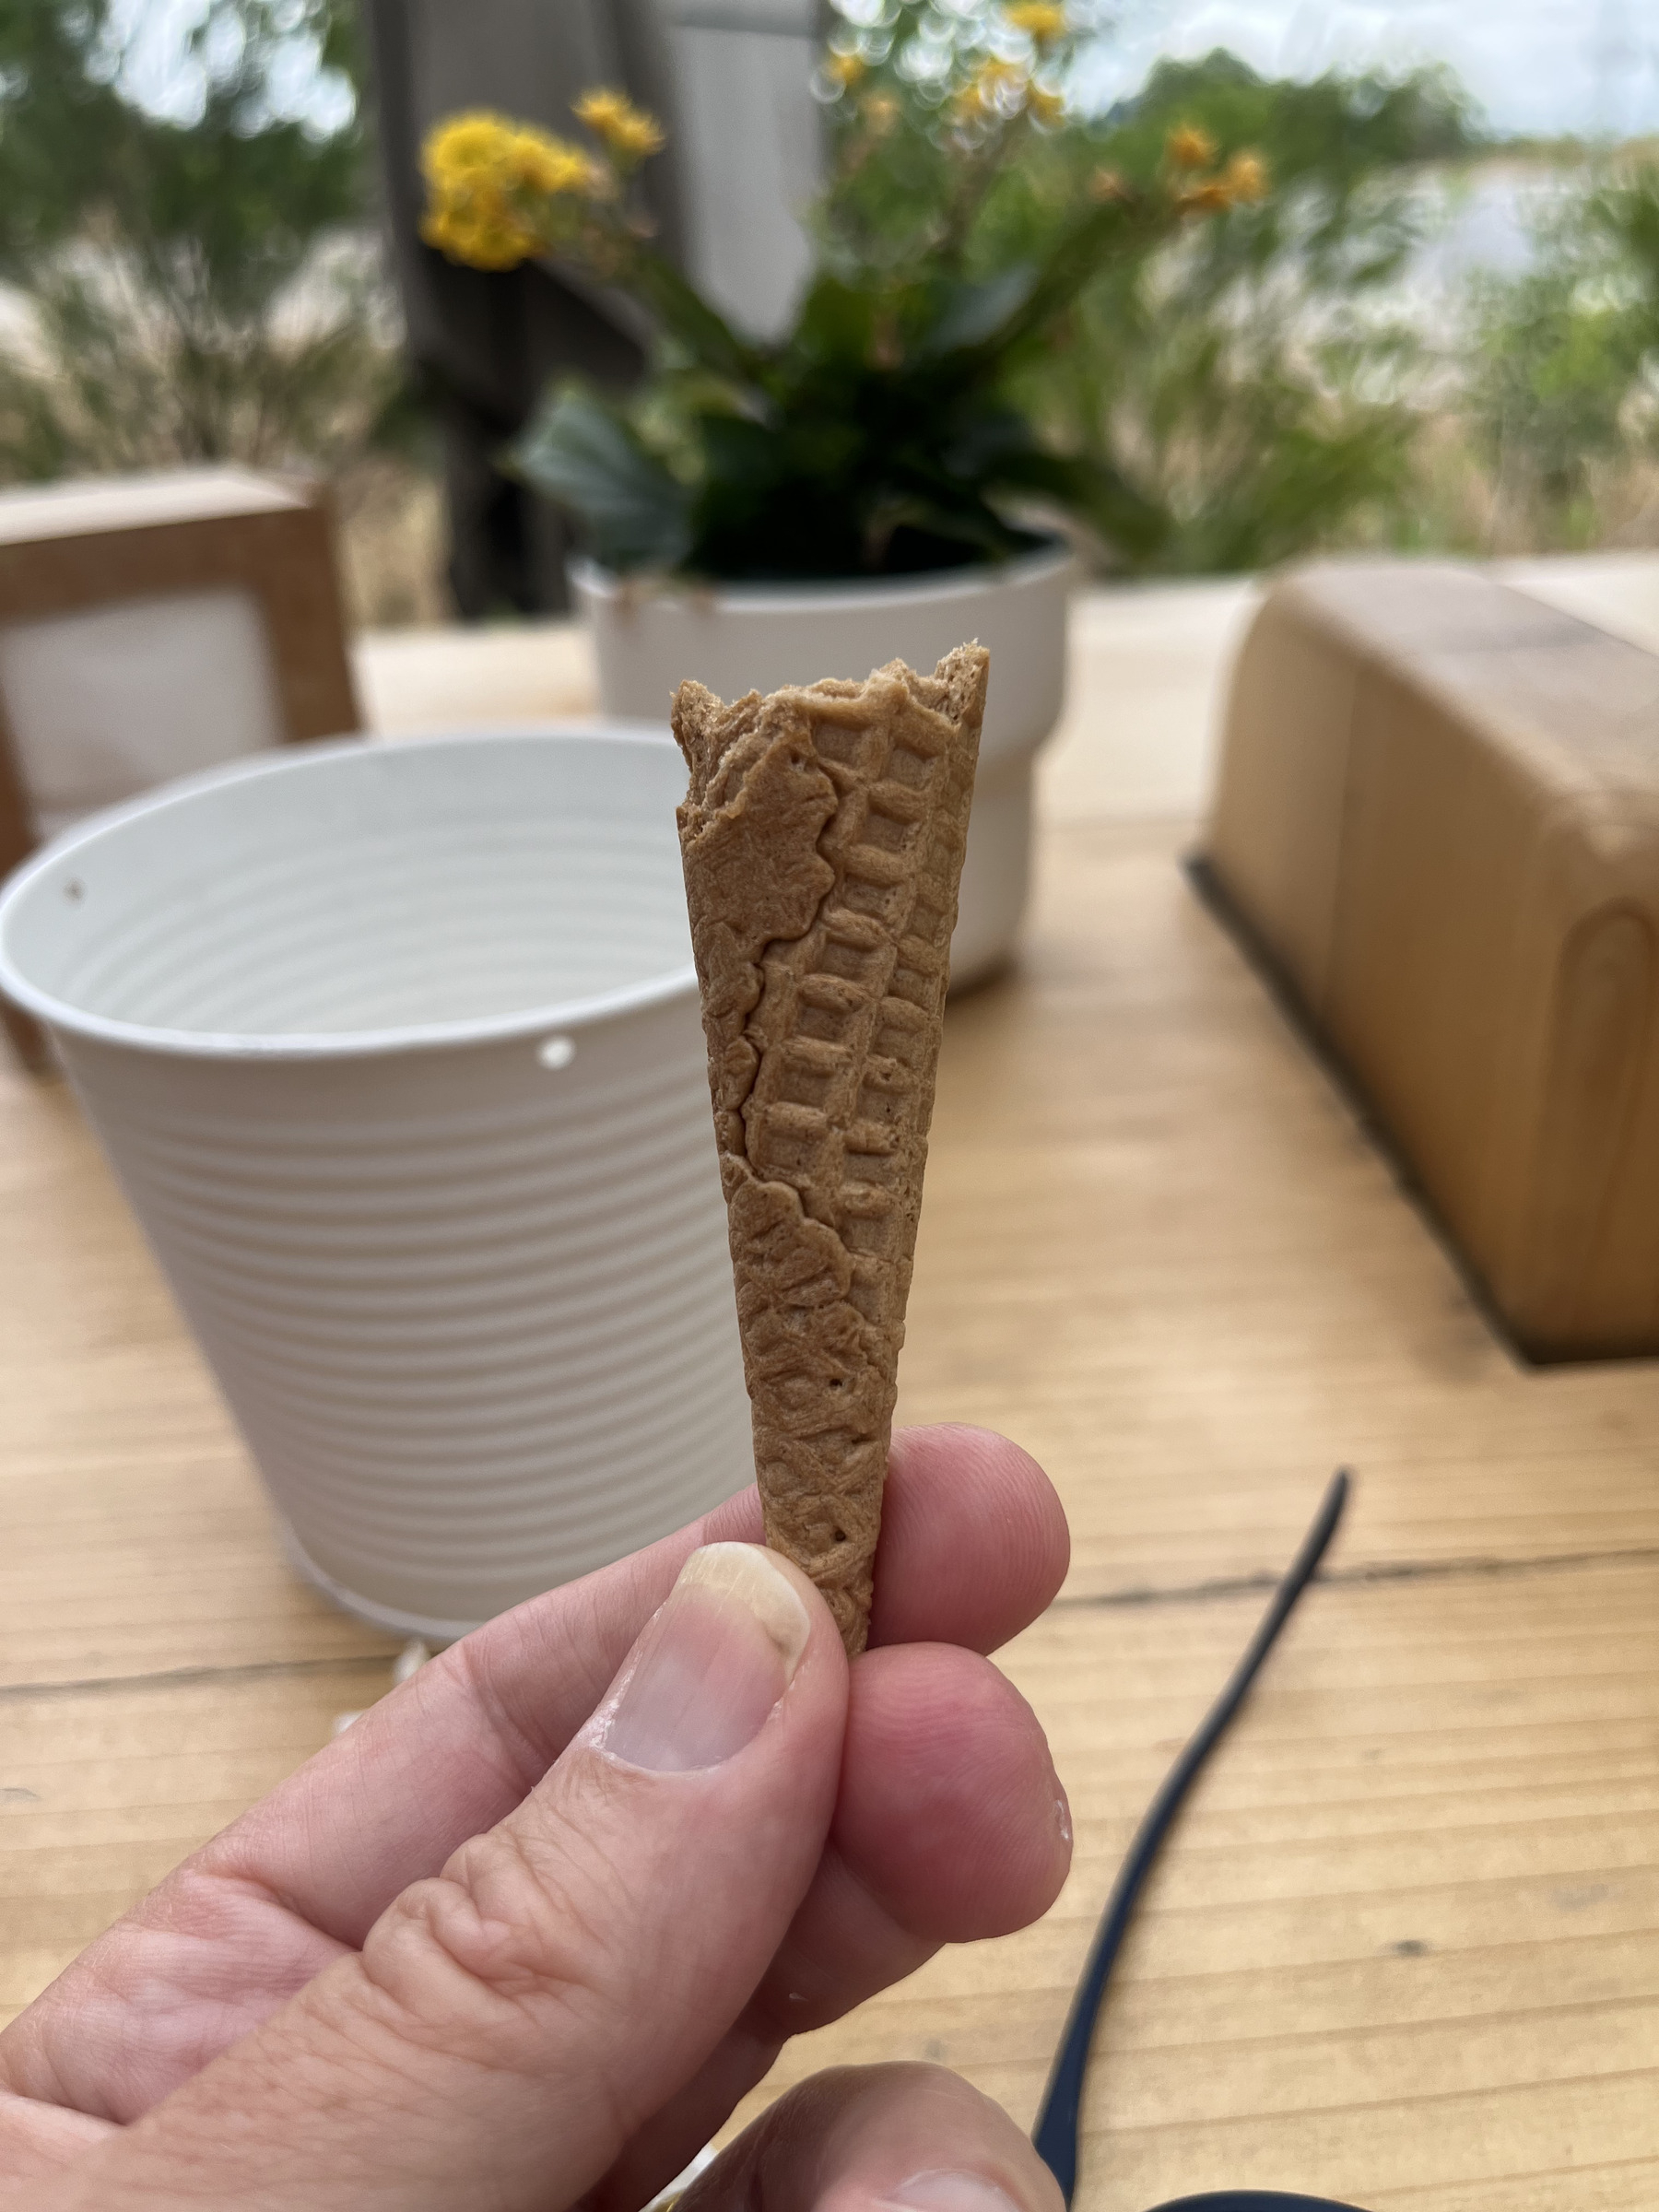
[[394, 544]]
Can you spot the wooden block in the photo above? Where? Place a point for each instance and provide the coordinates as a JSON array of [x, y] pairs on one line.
[[145, 540], [1439, 814]]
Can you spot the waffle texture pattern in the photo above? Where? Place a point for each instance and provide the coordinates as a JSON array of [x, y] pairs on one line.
[[822, 837]]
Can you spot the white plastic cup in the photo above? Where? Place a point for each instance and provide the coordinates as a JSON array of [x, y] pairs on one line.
[[396, 1052]]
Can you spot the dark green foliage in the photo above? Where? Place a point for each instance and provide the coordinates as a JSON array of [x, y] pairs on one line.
[[592, 461], [881, 434], [875, 439]]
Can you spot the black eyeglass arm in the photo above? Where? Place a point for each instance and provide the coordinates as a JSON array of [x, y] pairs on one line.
[[1253, 2200], [1056, 2135]]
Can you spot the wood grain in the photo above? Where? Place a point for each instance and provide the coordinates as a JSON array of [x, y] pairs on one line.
[[1406, 1944]]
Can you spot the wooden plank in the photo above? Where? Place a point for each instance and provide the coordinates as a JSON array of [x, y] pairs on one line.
[[1409, 1923], [1159, 1249], [102, 1792]]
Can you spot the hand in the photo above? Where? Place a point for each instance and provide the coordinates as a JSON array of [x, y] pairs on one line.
[[879, 2139], [528, 1931]]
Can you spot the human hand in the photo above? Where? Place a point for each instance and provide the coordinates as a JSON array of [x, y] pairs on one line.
[[513, 1941]]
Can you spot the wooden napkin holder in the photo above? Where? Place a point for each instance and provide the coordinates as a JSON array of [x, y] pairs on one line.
[[154, 625], [1438, 817]]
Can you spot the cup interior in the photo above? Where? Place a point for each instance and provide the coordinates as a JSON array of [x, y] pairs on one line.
[[365, 890]]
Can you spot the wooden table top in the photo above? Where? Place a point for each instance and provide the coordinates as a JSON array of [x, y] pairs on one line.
[[1405, 1947]]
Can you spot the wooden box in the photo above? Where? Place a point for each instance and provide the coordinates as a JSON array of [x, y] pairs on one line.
[[1437, 815], [151, 626]]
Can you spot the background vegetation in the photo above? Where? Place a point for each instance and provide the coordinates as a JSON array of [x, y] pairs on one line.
[[210, 286], [1254, 383], [1562, 398], [207, 287]]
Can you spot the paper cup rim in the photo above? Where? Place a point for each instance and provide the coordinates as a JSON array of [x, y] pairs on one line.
[[60, 1014]]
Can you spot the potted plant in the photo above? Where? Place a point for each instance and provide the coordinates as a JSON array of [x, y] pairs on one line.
[[863, 488]]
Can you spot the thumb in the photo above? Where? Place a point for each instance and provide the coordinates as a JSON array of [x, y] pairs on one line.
[[510, 2023]]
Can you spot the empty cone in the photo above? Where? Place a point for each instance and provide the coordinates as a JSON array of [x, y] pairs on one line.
[[822, 837]]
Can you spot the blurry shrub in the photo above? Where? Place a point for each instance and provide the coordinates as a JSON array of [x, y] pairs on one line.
[[206, 288], [194, 293], [1256, 382], [1562, 397]]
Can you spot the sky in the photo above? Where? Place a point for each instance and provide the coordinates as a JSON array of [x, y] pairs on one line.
[[161, 74], [1544, 66], [1586, 66]]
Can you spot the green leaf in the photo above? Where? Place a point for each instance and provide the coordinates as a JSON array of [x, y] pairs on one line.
[[686, 316], [1092, 489], [969, 315], [837, 322], [584, 457]]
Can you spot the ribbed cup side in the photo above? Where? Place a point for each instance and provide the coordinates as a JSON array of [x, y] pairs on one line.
[[475, 1351], [466, 1289]]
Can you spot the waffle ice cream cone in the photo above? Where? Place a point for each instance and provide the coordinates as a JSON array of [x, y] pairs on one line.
[[822, 837]]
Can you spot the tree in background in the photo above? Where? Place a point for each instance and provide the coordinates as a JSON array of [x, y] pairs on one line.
[[203, 288], [1254, 383], [1248, 383], [1563, 392], [1258, 382]]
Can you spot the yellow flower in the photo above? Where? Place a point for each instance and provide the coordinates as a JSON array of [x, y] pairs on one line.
[[488, 180], [466, 151], [1042, 20], [1189, 147], [480, 242], [1243, 183], [1209, 198], [844, 69], [995, 87], [549, 165], [878, 113], [1046, 106], [629, 132], [464, 146], [1245, 177], [480, 229]]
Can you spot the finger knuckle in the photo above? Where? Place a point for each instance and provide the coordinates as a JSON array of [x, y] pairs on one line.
[[508, 1940]]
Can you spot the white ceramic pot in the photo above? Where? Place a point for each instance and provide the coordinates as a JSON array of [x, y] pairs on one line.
[[396, 1052], [756, 638]]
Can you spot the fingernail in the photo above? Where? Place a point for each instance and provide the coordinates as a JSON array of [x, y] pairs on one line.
[[710, 1667], [946, 2190]]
